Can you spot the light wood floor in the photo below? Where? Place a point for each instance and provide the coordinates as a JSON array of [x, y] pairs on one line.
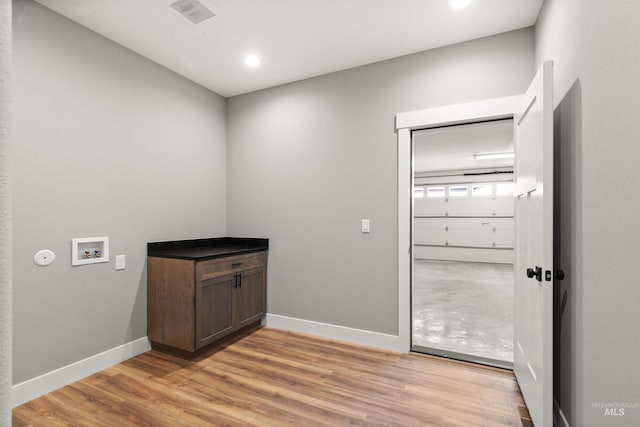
[[278, 378]]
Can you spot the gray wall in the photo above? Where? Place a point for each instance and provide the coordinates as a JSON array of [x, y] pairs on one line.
[[595, 46], [308, 160], [106, 143], [5, 213]]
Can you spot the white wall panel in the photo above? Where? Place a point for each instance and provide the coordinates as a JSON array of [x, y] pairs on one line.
[[464, 231], [501, 256], [475, 223]]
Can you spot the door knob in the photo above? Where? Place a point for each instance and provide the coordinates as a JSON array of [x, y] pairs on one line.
[[537, 273]]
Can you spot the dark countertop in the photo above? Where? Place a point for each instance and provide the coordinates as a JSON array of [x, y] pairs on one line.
[[203, 249]]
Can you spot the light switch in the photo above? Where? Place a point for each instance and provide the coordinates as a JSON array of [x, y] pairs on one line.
[[365, 226], [120, 262]]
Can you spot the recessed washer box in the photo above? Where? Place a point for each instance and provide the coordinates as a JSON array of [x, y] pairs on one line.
[[89, 250]]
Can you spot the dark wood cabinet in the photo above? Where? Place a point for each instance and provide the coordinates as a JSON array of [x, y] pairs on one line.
[[250, 297], [191, 303], [214, 314]]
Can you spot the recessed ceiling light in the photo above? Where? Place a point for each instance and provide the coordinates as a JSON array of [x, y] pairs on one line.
[[252, 60], [459, 4], [487, 156]]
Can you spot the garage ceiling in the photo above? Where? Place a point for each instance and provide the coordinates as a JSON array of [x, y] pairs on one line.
[[453, 148]]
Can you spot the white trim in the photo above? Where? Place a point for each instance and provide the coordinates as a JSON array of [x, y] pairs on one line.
[[559, 414], [405, 201], [46, 383], [336, 332], [490, 109]]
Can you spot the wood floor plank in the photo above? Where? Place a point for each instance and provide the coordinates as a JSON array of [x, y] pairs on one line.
[[287, 413], [280, 378]]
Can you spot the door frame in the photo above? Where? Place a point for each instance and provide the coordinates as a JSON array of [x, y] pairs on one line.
[[489, 109]]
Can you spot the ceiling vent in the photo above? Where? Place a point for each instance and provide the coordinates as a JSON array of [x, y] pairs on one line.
[[193, 10]]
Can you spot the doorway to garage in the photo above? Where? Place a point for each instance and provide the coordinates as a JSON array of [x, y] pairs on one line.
[[462, 242]]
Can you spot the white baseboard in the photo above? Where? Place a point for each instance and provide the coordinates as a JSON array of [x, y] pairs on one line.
[[46, 383], [559, 415], [336, 332]]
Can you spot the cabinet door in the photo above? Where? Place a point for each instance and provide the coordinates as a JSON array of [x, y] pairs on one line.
[[251, 299], [214, 302]]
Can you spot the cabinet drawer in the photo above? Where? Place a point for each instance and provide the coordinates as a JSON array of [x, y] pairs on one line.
[[219, 267]]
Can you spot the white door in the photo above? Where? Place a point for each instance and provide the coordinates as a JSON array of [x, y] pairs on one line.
[[533, 293]]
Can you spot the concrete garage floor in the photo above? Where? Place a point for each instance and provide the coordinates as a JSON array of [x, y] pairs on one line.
[[464, 307]]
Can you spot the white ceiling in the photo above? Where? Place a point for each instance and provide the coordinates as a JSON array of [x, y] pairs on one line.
[[452, 148], [295, 39]]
